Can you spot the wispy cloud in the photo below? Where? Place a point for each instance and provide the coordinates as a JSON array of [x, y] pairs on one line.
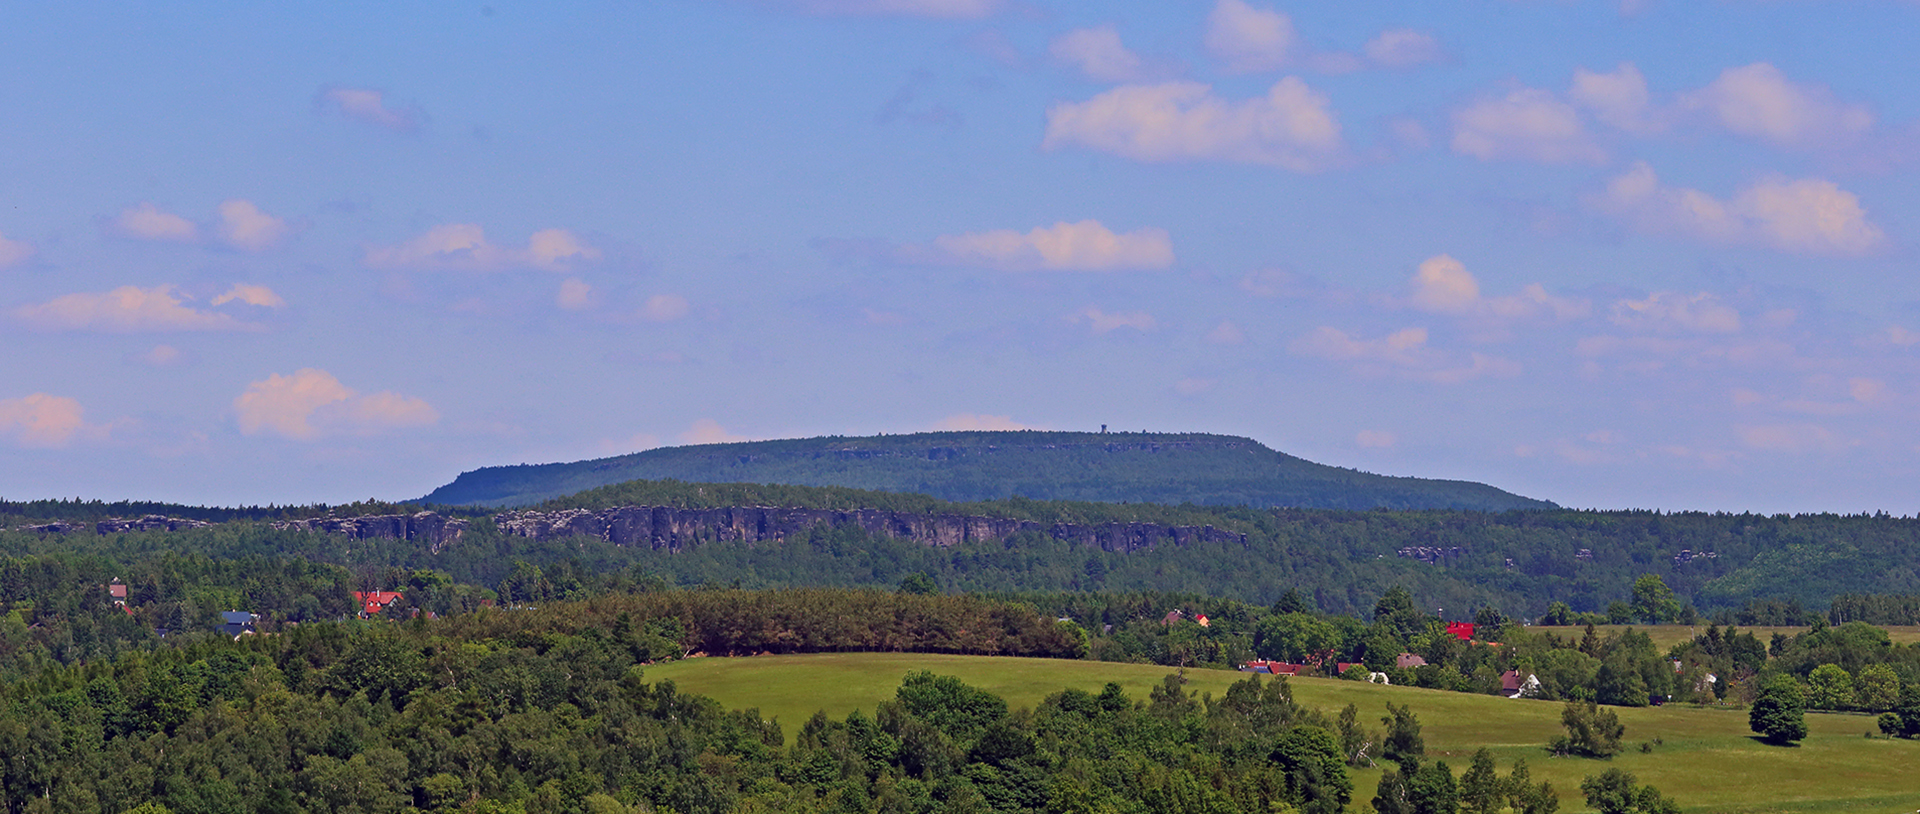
[[370, 106], [1086, 245], [239, 224], [14, 251], [464, 247], [1807, 215], [311, 403], [131, 309], [1292, 127], [42, 420]]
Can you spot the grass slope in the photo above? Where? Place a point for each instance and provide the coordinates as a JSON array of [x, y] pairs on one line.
[[1169, 468], [1708, 761]]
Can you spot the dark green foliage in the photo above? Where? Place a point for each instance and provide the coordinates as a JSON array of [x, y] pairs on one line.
[[1169, 468], [1779, 714], [1615, 792], [1592, 731], [1315, 770], [1481, 790], [1403, 742], [1526, 798], [1432, 790]]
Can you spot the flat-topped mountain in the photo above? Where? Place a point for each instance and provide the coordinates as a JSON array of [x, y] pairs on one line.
[[1167, 468]]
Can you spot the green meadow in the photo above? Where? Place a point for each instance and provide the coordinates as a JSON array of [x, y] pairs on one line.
[[1705, 758]]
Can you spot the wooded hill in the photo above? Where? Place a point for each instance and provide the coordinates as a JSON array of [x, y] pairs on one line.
[[1167, 468]]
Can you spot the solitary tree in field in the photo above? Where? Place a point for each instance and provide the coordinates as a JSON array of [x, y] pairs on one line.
[[1591, 731], [1780, 713], [1653, 601]]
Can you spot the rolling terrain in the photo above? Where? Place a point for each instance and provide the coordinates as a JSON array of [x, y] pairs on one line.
[[1165, 468], [1706, 759]]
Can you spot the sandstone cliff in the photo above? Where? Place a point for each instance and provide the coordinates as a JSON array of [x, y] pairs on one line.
[[666, 527]]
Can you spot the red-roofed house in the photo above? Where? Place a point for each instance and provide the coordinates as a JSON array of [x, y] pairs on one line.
[[1460, 630], [1408, 660], [373, 603], [1279, 668]]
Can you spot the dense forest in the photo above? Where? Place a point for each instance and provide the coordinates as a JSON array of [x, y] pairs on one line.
[[1168, 468], [1519, 562]]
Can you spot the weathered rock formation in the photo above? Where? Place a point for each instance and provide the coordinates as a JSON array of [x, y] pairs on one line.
[[673, 529], [666, 527], [432, 528], [114, 525]]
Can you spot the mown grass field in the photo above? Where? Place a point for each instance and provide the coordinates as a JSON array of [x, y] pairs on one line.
[[1708, 761]]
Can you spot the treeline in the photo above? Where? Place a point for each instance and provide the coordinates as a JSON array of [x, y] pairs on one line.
[[535, 712], [1519, 562], [1875, 609]]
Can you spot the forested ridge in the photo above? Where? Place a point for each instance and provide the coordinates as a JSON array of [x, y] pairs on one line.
[[1518, 561], [1168, 468]]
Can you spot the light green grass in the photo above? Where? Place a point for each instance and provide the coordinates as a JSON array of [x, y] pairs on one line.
[[1709, 761]]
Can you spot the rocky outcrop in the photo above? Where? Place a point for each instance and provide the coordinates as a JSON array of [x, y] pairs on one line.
[[673, 529], [115, 525], [433, 529]]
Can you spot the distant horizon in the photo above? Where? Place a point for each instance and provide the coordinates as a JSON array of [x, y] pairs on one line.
[[1531, 245], [419, 500]]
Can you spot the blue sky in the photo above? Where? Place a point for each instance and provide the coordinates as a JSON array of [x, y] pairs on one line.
[[1625, 255]]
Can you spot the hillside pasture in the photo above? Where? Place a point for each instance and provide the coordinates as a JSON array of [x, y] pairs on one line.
[[1706, 758]]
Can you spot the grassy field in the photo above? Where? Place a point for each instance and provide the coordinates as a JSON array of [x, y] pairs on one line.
[[1707, 759], [1665, 636]]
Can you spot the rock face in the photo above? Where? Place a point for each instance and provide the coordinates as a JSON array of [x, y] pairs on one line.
[[673, 529], [113, 525], [432, 528]]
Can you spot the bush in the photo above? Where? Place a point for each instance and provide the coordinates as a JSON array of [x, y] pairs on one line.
[[1779, 714], [1591, 731]]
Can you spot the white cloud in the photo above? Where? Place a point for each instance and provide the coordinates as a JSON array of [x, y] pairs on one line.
[[128, 309], [1619, 99], [1249, 39], [41, 420], [243, 226], [1404, 353], [14, 251], [1442, 285], [311, 403], [1758, 101], [574, 295], [370, 106], [1084, 246], [947, 9], [709, 431], [1098, 53], [1102, 322], [1671, 311], [149, 222], [962, 422], [1292, 127], [1403, 48], [1807, 215], [464, 247], [664, 308], [1527, 124], [251, 294]]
